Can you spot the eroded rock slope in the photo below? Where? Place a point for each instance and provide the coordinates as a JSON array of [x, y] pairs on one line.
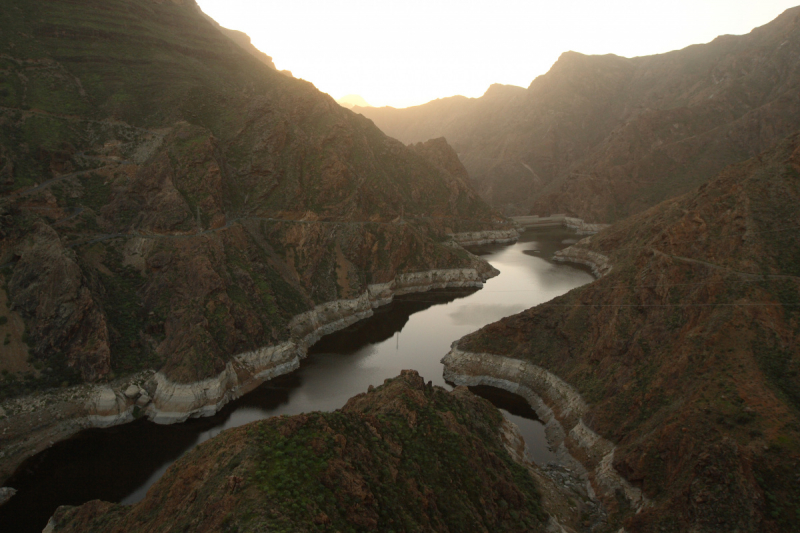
[[169, 201]]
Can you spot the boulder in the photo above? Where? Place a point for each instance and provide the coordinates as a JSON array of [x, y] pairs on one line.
[[6, 493]]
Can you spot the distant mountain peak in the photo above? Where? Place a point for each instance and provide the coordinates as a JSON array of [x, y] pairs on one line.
[[352, 100], [502, 89], [244, 41]]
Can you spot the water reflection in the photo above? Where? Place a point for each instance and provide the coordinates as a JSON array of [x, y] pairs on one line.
[[415, 331], [480, 315], [517, 409], [386, 321]]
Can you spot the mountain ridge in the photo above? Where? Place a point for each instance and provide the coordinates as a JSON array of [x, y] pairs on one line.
[[602, 137]]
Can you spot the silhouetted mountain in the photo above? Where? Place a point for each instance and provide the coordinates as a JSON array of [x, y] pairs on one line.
[[603, 137], [352, 100]]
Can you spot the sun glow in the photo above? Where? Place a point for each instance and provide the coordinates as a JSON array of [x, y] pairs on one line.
[[408, 53]]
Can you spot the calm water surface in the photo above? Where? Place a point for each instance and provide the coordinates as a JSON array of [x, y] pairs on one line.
[[415, 331]]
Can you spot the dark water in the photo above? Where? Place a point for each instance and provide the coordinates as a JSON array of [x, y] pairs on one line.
[[415, 331]]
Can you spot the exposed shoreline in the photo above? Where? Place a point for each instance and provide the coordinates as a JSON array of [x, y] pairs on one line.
[[597, 262], [580, 226], [33, 423], [557, 404], [560, 407], [173, 402], [480, 238], [57, 415]]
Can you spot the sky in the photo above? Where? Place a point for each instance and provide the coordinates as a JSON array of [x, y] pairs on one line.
[[405, 53]]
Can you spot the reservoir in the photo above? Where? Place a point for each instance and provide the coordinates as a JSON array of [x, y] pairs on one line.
[[415, 331]]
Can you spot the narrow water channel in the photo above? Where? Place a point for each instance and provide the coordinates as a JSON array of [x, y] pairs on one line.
[[415, 331]]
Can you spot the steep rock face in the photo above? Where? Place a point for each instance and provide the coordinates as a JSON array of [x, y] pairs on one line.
[[402, 456], [603, 137], [241, 39], [49, 291], [188, 201], [684, 352]]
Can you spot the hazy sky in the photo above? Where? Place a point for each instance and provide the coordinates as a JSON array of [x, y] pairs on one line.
[[404, 53]]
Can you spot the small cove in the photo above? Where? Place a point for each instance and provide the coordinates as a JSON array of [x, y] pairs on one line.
[[415, 331]]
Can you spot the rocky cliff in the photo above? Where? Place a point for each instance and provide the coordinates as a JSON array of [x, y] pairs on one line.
[[603, 137], [675, 373], [241, 39], [405, 456]]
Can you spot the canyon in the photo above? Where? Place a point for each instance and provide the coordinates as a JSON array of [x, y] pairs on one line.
[[181, 224], [170, 222], [413, 331], [179, 221]]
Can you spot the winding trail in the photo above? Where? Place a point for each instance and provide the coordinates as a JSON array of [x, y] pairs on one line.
[[753, 275]]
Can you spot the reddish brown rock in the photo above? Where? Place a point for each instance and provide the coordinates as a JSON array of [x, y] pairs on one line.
[[63, 319]]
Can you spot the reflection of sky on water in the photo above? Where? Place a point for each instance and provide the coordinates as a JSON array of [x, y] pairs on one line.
[[339, 368], [479, 315]]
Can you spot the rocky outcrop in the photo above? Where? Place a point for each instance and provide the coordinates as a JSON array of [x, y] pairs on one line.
[[559, 406], [6, 493], [578, 253], [49, 291], [479, 238]]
